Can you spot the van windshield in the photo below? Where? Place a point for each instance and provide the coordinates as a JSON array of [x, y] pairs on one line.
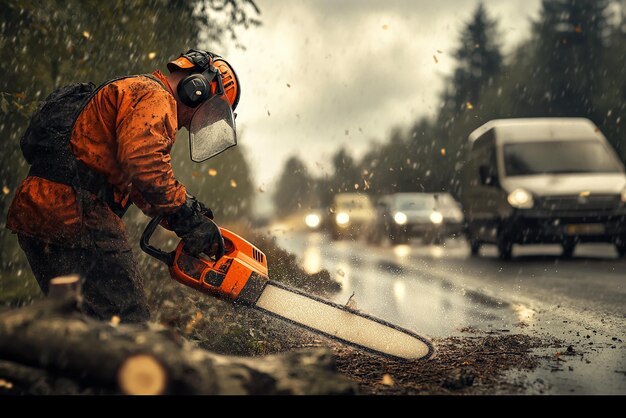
[[559, 157]]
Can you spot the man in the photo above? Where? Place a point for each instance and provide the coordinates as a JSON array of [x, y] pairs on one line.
[[119, 152]]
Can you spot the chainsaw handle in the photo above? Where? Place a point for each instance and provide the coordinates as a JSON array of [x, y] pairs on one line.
[[167, 258]]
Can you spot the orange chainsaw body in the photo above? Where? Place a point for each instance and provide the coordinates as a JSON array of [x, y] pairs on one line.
[[240, 275]]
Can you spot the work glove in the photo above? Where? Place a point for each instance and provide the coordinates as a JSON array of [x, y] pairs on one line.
[[193, 223], [198, 206]]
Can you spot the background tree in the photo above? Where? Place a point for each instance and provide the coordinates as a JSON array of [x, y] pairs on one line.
[[570, 38], [427, 157], [609, 92], [346, 177], [388, 167], [479, 62], [295, 189], [346, 172]]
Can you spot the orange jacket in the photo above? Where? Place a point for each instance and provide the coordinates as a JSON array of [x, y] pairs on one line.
[[126, 133]]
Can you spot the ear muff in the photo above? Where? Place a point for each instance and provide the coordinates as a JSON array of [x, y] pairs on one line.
[[194, 89]]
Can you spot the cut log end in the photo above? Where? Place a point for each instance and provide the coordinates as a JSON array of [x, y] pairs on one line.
[[142, 374], [65, 287]]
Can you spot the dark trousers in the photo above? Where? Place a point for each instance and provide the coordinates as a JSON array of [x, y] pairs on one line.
[[111, 282]]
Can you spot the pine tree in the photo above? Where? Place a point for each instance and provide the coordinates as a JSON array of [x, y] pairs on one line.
[[610, 92], [427, 155], [479, 62], [570, 42], [346, 178], [347, 173], [295, 189]]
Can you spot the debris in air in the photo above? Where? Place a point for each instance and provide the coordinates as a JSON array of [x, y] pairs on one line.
[[212, 172], [233, 183], [436, 60]]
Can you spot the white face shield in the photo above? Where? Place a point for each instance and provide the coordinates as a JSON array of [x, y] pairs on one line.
[[212, 129]]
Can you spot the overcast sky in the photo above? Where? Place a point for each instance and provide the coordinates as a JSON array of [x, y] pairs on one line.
[[321, 74]]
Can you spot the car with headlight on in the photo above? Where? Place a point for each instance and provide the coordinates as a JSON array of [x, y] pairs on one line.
[[352, 215], [543, 180], [433, 217]]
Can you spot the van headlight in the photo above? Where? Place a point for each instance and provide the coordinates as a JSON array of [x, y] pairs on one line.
[[623, 196], [436, 217], [520, 199], [342, 218], [400, 218]]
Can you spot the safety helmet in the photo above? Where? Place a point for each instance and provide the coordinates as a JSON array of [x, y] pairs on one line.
[[211, 74], [212, 89]]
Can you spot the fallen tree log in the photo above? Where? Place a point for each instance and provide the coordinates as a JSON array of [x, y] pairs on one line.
[[17, 379], [51, 339]]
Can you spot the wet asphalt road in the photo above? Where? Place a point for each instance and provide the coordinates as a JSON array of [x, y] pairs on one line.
[[442, 290]]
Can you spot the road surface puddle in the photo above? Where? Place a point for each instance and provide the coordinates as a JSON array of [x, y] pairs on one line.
[[385, 283]]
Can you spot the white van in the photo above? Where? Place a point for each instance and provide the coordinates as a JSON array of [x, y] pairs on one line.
[[544, 180]]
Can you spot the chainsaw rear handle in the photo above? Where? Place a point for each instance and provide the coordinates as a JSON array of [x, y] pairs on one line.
[[167, 258]]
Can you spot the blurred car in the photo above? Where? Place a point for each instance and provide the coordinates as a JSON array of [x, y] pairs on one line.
[[543, 180], [352, 215], [430, 216]]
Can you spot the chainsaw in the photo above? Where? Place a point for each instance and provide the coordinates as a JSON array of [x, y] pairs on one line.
[[241, 276]]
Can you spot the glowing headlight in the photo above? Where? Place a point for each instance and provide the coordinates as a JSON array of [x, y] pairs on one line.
[[312, 220], [521, 199], [624, 196], [436, 217], [400, 218], [342, 218]]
